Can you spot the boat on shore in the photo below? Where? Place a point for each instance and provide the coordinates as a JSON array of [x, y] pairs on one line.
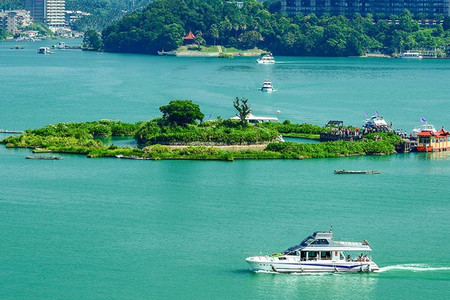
[[266, 59], [53, 157], [318, 253], [356, 172]]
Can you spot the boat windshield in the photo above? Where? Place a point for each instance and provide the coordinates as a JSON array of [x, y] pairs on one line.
[[304, 243]]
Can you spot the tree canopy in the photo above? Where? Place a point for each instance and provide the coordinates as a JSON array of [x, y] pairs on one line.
[[92, 41], [181, 112], [163, 23]]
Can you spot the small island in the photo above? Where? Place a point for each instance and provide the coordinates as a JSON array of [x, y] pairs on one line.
[[181, 133]]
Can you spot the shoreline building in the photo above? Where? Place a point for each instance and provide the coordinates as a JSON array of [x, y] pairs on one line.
[[10, 20], [51, 12], [428, 8]]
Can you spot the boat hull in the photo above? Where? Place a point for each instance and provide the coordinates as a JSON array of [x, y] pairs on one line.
[[272, 264]]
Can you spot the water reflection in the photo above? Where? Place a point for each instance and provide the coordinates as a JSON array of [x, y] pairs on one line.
[[316, 285]]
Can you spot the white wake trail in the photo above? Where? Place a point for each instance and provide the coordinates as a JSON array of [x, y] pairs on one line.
[[414, 268]]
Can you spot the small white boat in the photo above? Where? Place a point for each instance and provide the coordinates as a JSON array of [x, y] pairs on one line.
[[318, 253], [266, 59], [44, 50], [61, 45], [267, 86], [424, 128], [411, 55]]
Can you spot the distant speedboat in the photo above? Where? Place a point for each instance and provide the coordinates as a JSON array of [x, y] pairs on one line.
[[411, 55], [318, 253], [267, 86], [266, 59], [44, 50]]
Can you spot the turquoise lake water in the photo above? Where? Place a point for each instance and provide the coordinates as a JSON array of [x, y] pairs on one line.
[[84, 228]]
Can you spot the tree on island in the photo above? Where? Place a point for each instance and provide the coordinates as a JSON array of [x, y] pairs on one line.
[[181, 112], [243, 109], [92, 41]]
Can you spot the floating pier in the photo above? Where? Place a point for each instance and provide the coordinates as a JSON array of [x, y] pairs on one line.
[[53, 157], [356, 172], [10, 131]]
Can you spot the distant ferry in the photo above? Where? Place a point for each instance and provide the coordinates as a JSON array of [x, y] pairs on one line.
[[318, 253], [411, 55], [44, 50], [266, 59]]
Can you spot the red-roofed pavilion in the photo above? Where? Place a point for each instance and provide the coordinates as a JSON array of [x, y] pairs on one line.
[[189, 39]]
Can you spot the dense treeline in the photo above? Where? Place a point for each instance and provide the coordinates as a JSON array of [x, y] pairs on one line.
[[164, 22]]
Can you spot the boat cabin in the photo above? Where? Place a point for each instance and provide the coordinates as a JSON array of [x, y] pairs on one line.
[[321, 246]]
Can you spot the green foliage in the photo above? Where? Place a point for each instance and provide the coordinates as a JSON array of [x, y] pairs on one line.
[[92, 41], [226, 132], [162, 23], [3, 34], [102, 12], [181, 112], [331, 149]]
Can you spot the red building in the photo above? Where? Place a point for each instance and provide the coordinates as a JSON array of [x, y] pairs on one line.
[[433, 141], [189, 39]]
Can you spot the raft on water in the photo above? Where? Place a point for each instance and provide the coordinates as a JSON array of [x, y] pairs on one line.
[[53, 157], [356, 172]]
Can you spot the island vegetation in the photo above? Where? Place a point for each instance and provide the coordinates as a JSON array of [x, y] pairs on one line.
[[163, 24], [181, 133]]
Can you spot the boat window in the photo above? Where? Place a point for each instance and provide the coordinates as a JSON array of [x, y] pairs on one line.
[[325, 255], [341, 255], [303, 255], [320, 242], [312, 255], [307, 241]]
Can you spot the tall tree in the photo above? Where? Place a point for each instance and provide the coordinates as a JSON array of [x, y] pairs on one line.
[[181, 112], [243, 109]]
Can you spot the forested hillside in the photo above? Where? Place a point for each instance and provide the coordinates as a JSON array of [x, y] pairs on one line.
[[12, 4], [164, 22], [103, 12]]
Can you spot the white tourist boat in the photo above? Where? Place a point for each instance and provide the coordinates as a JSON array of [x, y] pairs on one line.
[[267, 86], [411, 55], [44, 50], [317, 253], [266, 59], [377, 123]]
